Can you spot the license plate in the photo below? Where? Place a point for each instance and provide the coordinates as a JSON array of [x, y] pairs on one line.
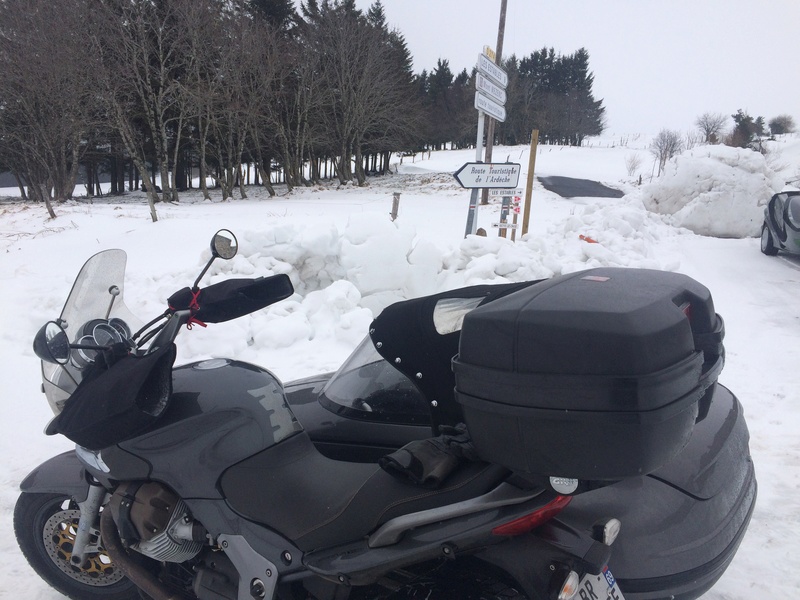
[[599, 587]]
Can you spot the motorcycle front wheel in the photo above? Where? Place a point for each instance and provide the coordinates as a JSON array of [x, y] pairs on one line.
[[45, 526]]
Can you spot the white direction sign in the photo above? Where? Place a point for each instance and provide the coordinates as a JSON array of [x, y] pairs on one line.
[[491, 70], [499, 192], [490, 107], [488, 175], [486, 86]]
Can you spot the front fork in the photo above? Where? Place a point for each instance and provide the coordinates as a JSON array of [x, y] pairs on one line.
[[88, 524]]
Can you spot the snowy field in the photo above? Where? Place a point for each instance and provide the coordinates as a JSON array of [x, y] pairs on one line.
[[347, 260]]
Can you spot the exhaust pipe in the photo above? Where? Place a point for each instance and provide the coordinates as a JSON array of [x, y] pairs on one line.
[[140, 576]]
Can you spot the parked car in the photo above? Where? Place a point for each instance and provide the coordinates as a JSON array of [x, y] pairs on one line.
[[781, 229]]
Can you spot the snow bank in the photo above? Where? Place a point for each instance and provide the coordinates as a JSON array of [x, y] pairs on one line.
[[716, 191], [344, 276]]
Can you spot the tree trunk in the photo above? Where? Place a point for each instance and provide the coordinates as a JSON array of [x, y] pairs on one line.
[[203, 167], [72, 176], [89, 182], [343, 165], [149, 187], [99, 190], [44, 192], [265, 179], [240, 177], [175, 158], [361, 177], [21, 187]]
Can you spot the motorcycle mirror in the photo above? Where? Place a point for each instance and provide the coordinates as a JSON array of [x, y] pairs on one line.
[[224, 245], [51, 344]]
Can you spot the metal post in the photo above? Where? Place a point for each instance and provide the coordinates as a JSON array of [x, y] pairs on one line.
[[504, 209], [498, 53], [472, 216]]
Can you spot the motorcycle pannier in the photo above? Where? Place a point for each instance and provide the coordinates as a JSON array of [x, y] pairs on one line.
[[596, 375]]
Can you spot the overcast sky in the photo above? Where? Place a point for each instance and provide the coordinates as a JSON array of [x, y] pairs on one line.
[[657, 63]]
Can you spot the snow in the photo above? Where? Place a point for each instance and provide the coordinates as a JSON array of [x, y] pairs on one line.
[[347, 260], [715, 190]]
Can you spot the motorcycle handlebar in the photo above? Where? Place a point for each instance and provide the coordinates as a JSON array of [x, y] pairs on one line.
[[232, 298]]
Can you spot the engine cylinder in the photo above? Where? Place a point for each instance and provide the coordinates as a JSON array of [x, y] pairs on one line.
[[158, 520]]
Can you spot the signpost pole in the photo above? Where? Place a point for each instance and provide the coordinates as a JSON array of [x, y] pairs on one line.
[[514, 222], [501, 30], [505, 206], [472, 215], [490, 98], [531, 166]]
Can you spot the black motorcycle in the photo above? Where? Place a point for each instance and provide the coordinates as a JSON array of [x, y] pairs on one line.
[[482, 443]]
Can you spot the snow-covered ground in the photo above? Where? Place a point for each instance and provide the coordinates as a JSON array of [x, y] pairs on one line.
[[347, 260]]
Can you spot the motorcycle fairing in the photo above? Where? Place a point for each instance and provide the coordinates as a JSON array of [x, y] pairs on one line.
[[62, 474], [89, 298]]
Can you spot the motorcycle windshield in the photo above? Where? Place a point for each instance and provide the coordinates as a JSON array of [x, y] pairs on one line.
[[95, 311], [366, 387]]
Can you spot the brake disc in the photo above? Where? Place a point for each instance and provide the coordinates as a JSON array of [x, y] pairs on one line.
[[59, 534]]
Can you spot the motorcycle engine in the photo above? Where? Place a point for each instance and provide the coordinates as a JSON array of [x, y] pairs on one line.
[[154, 521]]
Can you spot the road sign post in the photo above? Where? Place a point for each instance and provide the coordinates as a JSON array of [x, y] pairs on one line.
[[490, 97]]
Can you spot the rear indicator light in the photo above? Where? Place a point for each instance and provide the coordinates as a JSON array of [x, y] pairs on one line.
[[570, 587], [535, 519], [686, 308]]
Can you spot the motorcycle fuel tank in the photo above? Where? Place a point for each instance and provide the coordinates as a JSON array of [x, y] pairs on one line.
[[221, 412]]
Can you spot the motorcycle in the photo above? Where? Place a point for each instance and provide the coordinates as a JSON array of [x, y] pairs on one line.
[[487, 442]]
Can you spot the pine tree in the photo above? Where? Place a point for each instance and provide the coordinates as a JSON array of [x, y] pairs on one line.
[[278, 13], [377, 16]]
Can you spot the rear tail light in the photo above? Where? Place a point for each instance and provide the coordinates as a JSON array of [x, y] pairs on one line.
[[535, 519]]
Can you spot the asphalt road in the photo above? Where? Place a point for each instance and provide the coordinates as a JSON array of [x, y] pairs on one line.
[[567, 187]]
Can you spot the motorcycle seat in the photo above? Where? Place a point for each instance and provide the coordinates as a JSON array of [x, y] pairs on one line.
[[317, 502]]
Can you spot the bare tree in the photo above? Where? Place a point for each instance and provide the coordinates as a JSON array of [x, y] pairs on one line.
[[143, 47], [664, 146], [288, 124], [692, 139], [365, 95], [632, 163], [712, 125], [204, 22], [47, 106], [246, 72]]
